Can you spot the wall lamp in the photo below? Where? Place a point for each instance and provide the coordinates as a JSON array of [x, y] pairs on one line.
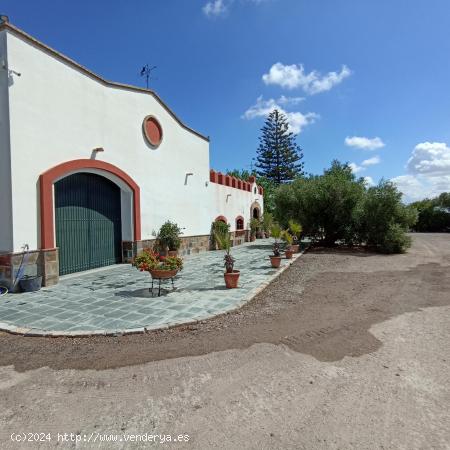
[[186, 177]]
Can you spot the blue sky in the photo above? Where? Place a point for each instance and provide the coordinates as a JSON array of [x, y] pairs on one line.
[[363, 81]]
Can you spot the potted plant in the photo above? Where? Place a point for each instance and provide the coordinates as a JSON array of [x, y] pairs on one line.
[[287, 238], [158, 267], [169, 238], [267, 222], [296, 229], [275, 259], [220, 228], [223, 240], [254, 228]]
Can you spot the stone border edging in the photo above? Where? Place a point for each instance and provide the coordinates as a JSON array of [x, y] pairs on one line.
[[33, 332]]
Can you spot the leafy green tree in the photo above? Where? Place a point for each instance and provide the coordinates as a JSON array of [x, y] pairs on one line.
[[434, 214], [325, 205], [278, 155], [385, 220], [336, 207], [444, 200]]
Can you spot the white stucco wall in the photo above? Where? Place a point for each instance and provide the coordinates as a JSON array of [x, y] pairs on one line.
[[6, 225], [59, 113], [238, 204]]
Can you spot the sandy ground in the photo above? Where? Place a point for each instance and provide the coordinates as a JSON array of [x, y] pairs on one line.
[[344, 350]]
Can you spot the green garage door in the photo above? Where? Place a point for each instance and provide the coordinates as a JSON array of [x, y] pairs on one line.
[[87, 222]]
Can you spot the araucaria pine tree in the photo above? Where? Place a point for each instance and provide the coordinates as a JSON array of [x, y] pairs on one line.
[[278, 156]]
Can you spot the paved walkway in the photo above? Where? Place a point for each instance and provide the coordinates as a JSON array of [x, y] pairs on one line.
[[117, 299]]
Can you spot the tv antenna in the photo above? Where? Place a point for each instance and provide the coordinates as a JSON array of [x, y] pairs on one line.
[[146, 72]]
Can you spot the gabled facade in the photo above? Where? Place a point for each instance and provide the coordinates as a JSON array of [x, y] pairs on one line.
[[90, 169]]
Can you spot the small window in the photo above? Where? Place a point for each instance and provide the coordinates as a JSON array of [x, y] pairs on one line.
[[239, 223], [254, 189]]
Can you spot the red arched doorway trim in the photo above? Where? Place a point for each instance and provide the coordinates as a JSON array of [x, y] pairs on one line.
[[221, 219], [239, 223], [255, 210], [47, 179]]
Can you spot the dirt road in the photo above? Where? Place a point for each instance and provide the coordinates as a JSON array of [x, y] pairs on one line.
[[344, 350]]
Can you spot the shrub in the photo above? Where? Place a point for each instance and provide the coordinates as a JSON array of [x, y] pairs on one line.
[[325, 205], [395, 240], [433, 214], [255, 226], [337, 208], [267, 221], [384, 219], [169, 236]]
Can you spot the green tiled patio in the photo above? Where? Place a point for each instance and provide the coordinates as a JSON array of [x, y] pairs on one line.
[[117, 299]]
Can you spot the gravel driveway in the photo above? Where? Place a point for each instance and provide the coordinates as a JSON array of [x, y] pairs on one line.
[[344, 350]]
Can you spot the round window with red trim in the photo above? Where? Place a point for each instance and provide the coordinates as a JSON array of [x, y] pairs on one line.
[[152, 131]]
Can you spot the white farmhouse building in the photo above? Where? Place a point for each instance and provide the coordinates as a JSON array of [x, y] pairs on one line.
[[89, 169]]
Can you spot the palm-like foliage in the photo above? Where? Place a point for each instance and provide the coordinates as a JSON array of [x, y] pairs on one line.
[[223, 240], [276, 231], [295, 228]]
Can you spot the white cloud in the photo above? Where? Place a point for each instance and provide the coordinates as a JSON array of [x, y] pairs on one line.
[[418, 187], [364, 143], [215, 8], [297, 120], [369, 181], [371, 161], [355, 168], [432, 158], [294, 76], [220, 8], [283, 100], [428, 171]]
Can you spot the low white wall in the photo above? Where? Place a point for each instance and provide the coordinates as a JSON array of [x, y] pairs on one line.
[[232, 202]]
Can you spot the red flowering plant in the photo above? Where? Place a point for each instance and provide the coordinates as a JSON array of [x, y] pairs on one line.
[[147, 260], [150, 260]]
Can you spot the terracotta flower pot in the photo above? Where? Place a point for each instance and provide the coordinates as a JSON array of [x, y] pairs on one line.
[[252, 238], [275, 261], [289, 253], [295, 248], [172, 253], [163, 274], [231, 279]]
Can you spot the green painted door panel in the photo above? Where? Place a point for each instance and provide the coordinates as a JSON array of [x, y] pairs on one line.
[[87, 222]]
